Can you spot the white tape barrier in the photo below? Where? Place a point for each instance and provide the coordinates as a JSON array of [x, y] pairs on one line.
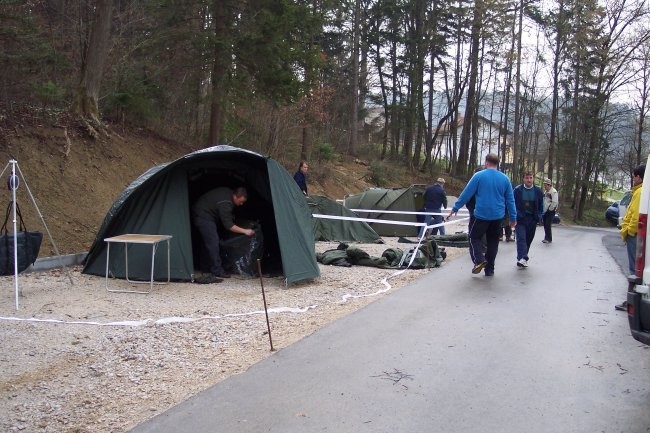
[[278, 310], [163, 321], [400, 223], [170, 320], [384, 281], [397, 223], [461, 212]]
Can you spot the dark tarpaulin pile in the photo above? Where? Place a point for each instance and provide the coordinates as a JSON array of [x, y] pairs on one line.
[[428, 255], [240, 253]]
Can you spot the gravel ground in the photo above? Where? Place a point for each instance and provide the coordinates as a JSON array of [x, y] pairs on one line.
[[78, 359]]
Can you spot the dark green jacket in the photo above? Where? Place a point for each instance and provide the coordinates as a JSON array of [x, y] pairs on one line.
[[216, 205]]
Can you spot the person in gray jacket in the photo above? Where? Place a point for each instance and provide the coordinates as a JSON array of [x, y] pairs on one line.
[[550, 206]]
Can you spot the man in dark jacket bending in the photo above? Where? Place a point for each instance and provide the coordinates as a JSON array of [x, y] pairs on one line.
[[216, 207]]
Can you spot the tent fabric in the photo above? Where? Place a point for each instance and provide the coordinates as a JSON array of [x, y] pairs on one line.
[[338, 230], [292, 217], [158, 202], [410, 199]]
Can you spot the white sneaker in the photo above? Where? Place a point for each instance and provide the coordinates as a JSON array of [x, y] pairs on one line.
[[522, 263]]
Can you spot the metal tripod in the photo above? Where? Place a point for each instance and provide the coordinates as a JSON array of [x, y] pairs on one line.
[[12, 183]]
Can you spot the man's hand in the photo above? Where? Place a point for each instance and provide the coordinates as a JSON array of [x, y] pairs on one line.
[[513, 224], [452, 213], [241, 230]]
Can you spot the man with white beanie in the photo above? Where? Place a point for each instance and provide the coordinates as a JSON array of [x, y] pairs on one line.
[[550, 206]]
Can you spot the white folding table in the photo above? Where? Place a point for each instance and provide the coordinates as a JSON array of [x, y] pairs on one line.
[[127, 239]]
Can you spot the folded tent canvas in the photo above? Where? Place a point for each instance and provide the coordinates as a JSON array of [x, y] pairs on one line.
[[409, 199], [338, 229], [159, 201]]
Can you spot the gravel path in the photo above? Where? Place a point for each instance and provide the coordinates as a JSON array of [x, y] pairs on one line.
[[77, 359]]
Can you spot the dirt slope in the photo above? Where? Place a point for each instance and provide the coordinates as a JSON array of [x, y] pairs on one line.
[[75, 179]]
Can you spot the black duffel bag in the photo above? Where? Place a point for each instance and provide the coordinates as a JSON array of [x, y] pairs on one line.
[[28, 245]]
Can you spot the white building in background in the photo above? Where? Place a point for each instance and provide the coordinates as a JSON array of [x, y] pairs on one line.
[[488, 135], [488, 139]]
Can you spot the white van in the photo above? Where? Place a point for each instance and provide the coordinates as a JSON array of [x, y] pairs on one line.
[[638, 295]]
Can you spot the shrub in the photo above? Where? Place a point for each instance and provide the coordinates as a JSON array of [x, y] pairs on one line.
[[48, 93], [325, 152], [133, 97], [378, 173]]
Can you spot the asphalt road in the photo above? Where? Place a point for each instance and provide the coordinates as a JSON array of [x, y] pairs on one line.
[[535, 350]]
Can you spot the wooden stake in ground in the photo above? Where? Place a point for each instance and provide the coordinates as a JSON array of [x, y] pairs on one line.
[[268, 325]]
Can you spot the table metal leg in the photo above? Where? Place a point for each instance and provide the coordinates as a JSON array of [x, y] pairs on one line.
[[126, 270], [108, 253], [154, 247], [169, 272], [153, 257], [126, 260]]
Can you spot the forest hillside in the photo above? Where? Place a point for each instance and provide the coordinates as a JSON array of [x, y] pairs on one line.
[[75, 179]]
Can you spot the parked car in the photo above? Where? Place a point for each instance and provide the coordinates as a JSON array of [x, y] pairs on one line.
[[611, 214], [638, 295], [622, 206], [616, 211]]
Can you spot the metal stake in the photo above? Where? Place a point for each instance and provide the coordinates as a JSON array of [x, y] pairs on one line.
[[13, 185], [268, 325]]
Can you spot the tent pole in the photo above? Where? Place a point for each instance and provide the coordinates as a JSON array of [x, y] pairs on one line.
[[13, 185]]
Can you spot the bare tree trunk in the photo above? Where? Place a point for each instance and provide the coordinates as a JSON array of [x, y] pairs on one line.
[[395, 117], [219, 68], [428, 146], [516, 139], [494, 94], [92, 66], [354, 121], [384, 98], [644, 94], [474, 148], [557, 56], [305, 150], [272, 139], [505, 113], [470, 107], [408, 122]]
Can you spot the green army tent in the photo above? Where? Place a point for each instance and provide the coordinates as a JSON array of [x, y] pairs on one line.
[[335, 229], [159, 201], [409, 199]]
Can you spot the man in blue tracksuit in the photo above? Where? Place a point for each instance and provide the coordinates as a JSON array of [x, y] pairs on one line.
[[529, 201], [493, 193]]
